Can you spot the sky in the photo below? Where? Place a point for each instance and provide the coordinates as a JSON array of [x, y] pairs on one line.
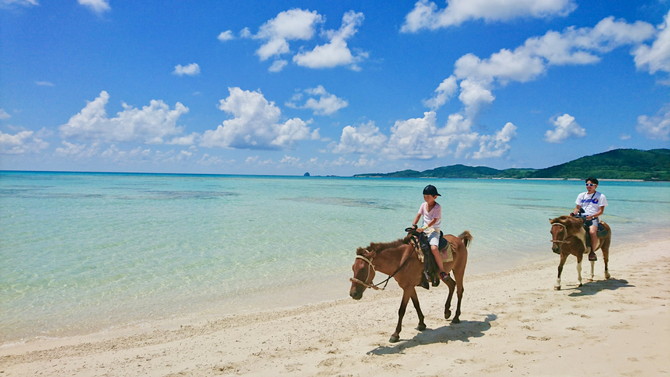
[[328, 87]]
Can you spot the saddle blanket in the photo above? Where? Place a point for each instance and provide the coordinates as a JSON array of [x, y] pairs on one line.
[[447, 254]]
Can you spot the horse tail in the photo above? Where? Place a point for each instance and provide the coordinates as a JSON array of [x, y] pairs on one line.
[[466, 237]]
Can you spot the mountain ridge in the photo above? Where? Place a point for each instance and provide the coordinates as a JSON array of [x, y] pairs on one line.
[[628, 164]]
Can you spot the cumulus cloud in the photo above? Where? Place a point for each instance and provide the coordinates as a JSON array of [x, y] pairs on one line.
[[21, 142], [255, 124], [97, 6], [426, 14], [192, 69], [363, 139], [496, 145], [150, 124], [225, 36], [656, 57], [293, 24], [657, 126], [319, 101], [443, 93], [336, 52], [302, 25], [565, 127]]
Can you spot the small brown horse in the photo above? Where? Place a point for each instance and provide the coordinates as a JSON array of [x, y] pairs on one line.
[[568, 237], [398, 260]]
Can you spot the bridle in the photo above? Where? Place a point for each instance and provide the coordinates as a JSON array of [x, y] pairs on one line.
[[372, 268], [565, 234]]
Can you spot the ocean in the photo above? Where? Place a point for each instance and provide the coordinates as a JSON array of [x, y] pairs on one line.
[[84, 252]]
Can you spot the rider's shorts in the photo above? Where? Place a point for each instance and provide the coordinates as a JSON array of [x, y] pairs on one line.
[[434, 238]]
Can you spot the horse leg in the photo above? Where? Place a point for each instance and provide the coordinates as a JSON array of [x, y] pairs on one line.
[[459, 293], [606, 255], [447, 305], [401, 313], [564, 256], [419, 313]]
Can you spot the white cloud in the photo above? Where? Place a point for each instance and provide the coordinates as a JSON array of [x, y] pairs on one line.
[[4, 115], [23, 3], [97, 6], [185, 140], [21, 142], [150, 124], [474, 95], [77, 150], [320, 101], [426, 14], [657, 126], [278, 65], [365, 138], [497, 145], [225, 36], [443, 93], [419, 138], [565, 127], [192, 69], [656, 57], [44, 83], [255, 124], [293, 24], [336, 52]]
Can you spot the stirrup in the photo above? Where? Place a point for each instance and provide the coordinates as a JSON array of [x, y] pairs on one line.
[[444, 276]]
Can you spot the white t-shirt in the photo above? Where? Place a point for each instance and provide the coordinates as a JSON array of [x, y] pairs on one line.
[[591, 203], [428, 216]]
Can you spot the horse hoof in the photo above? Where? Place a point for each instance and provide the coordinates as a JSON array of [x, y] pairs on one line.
[[394, 339], [447, 314], [421, 327], [455, 320], [557, 288], [607, 276]]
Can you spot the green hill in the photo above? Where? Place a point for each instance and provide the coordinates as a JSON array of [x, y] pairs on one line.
[[615, 164]]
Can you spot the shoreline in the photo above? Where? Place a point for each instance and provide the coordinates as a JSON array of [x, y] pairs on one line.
[[512, 321]]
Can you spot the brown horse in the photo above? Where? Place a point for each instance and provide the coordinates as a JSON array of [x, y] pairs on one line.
[[568, 237], [398, 260]]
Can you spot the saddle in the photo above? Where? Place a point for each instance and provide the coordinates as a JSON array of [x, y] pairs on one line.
[[430, 268], [601, 232]]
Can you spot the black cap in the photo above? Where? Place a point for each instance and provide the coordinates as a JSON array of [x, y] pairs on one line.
[[430, 190]]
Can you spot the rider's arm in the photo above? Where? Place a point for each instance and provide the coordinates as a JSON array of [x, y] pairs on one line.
[[601, 210], [576, 210], [416, 219]]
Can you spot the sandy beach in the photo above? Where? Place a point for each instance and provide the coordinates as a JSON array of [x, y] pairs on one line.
[[513, 323]]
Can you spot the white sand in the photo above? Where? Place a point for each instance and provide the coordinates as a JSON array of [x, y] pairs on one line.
[[513, 323]]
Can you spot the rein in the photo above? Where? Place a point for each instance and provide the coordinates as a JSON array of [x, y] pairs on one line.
[[372, 266]]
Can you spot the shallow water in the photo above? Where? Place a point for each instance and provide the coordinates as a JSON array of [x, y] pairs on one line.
[[85, 251]]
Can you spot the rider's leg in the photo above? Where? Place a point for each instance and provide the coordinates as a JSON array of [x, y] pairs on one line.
[[593, 231], [438, 261]]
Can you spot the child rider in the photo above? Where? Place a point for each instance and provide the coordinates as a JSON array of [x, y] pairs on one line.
[[431, 211]]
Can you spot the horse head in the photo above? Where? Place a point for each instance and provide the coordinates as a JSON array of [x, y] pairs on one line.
[[364, 272], [561, 228]]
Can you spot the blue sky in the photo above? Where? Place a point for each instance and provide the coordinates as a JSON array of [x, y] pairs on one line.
[[328, 87]]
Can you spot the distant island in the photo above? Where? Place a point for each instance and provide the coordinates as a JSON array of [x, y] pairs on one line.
[[628, 164]]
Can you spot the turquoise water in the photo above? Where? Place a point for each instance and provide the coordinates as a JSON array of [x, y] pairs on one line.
[[86, 251]]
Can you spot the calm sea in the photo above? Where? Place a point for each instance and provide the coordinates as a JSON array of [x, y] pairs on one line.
[[87, 251]]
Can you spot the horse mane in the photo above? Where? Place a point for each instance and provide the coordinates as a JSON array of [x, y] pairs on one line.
[[378, 247], [572, 224]]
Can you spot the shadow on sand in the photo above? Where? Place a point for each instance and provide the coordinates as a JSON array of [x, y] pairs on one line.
[[463, 332], [591, 288]]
